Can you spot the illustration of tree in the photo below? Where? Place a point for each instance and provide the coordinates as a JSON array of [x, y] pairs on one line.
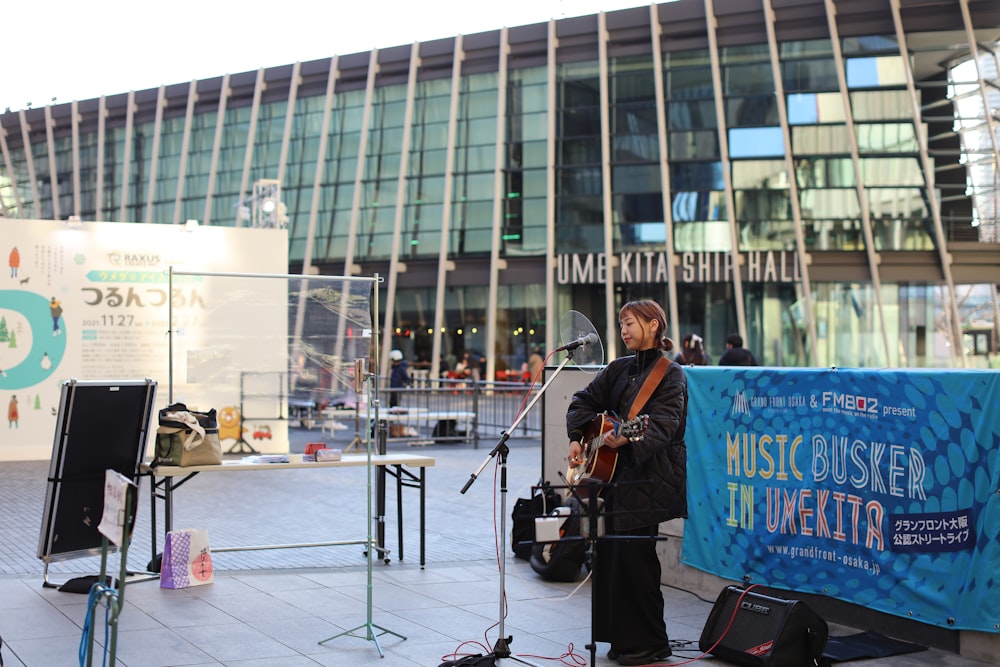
[[4, 334], [13, 340], [38, 401]]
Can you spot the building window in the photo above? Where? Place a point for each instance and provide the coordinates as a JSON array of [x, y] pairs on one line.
[[756, 142]]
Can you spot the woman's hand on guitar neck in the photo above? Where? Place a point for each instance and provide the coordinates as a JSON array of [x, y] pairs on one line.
[[614, 441]]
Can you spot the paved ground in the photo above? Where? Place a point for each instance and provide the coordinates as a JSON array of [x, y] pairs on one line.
[[274, 607]]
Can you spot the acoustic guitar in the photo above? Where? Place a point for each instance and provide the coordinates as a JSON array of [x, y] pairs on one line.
[[598, 461]]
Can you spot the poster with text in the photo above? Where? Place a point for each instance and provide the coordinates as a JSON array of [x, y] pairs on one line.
[[92, 301], [878, 487]]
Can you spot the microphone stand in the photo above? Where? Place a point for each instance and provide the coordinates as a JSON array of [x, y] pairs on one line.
[[501, 649]]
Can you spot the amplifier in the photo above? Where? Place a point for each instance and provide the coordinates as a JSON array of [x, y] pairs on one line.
[[748, 628]]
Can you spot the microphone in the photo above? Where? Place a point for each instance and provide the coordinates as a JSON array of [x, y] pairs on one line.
[[589, 339]]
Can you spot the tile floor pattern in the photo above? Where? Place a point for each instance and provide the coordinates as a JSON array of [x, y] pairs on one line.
[[274, 607]]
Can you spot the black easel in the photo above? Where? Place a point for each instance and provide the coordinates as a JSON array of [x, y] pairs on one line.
[[100, 425]]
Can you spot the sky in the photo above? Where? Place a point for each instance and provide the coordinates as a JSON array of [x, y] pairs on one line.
[[65, 50]]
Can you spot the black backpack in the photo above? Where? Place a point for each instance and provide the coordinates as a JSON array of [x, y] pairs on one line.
[[543, 500], [477, 660], [563, 560]]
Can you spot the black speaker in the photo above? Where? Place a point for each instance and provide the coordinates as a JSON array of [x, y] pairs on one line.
[[748, 628]]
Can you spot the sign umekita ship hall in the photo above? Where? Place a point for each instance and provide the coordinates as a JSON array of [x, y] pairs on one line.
[[768, 266]]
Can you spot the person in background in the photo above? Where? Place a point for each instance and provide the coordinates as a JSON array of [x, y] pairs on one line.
[[693, 351], [462, 370], [535, 363], [648, 486], [399, 377], [736, 354], [477, 364]]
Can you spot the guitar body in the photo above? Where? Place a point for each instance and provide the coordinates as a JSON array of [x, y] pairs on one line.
[[600, 461]]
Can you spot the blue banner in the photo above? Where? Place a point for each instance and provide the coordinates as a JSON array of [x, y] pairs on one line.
[[877, 487]]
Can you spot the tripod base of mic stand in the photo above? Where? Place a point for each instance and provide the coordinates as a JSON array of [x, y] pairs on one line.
[[501, 651], [370, 635]]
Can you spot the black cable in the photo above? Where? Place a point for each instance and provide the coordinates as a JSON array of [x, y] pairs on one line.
[[689, 592]]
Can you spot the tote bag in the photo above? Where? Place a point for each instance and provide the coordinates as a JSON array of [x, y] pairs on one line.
[[187, 559]]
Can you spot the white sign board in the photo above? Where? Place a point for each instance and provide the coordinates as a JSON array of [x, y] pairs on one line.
[[115, 513]]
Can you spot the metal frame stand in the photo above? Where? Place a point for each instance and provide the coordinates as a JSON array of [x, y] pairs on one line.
[[113, 597], [371, 546], [501, 650]]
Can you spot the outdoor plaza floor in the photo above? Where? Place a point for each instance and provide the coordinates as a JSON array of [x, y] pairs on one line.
[[275, 607]]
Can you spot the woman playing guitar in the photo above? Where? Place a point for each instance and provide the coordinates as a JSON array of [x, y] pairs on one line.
[[648, 485]]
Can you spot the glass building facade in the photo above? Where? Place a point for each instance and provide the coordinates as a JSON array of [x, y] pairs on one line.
[[817, 175]]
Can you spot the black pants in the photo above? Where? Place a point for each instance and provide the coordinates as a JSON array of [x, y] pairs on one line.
[[629, 602]]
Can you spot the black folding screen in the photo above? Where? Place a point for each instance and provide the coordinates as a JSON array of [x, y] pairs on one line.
[[101, 425]]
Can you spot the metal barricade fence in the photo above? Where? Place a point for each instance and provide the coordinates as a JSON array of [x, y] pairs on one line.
[[444, 410]]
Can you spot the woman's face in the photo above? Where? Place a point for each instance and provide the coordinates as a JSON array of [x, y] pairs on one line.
[[637, 333]]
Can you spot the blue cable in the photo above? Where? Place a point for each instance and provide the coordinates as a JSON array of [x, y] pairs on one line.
[[85, 637], [96, 593]]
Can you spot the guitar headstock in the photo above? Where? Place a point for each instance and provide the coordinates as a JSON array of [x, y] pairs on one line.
[[635, 428]]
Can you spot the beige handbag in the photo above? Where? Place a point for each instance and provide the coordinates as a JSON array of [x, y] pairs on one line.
[[187, 437]]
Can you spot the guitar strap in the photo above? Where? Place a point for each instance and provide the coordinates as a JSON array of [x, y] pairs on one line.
[[649, 386]]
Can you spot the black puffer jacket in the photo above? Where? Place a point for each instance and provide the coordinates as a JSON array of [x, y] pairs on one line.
[[650, 480]]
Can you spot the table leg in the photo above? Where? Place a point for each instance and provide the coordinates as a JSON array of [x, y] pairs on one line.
[[423, 486], [152, 514], [381, 551], [168, 504], [399, 508]]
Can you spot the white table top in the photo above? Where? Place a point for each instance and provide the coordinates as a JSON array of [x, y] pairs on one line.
[[424, 416], [346, 460], [398, 413]]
